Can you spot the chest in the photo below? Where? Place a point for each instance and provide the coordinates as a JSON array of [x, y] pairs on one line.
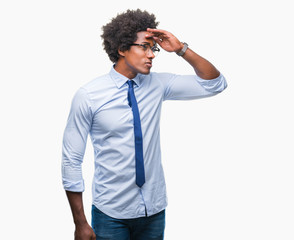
[[114, 115]]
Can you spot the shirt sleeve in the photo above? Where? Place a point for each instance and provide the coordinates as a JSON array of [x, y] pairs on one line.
[[75, 140], [187, 87]]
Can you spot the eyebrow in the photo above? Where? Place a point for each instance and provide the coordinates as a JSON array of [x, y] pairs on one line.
[[149, 44], [146, 43]]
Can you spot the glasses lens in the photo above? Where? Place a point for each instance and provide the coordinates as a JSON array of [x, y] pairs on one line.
[[147, 48], [155, 50]]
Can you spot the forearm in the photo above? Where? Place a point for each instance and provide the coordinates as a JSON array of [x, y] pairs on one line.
[[77, 208], [203, 68]]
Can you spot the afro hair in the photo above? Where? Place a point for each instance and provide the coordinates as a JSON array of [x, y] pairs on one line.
[[122, 31]]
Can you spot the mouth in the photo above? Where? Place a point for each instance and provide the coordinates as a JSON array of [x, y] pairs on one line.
[[148, 64]]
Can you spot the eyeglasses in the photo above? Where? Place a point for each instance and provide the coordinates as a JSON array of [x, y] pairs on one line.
[[147, 48]]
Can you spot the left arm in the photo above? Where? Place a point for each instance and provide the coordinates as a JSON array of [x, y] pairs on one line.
[[203, 68]]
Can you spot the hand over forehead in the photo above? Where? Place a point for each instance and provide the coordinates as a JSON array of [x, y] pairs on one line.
[[156, 33]]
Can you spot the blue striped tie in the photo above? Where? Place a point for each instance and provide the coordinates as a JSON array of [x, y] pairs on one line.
[[140, 174]]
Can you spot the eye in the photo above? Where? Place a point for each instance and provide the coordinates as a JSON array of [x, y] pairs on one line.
[[145, 46], [155, 49]]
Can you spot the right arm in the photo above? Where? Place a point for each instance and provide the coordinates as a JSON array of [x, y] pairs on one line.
[[73, 149], [83, 230]]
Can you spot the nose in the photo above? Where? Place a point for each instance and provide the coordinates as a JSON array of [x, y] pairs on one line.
[[150, 54]]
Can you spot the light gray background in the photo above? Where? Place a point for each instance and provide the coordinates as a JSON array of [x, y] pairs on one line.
[[228, 160]]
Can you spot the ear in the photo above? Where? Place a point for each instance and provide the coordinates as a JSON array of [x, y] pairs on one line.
[[121, 53]]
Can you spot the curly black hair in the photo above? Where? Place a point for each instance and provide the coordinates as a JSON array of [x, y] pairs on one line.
[[122, 31]]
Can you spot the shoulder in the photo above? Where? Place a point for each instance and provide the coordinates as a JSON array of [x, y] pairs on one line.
[[161, 78], [161, 75], [157, 77], [97, 83], [97, 86], [86, 92]]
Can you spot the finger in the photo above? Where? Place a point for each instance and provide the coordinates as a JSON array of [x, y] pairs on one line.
[[152, 35], [149, 35], [157, 40], [155, 30], [158, 32]]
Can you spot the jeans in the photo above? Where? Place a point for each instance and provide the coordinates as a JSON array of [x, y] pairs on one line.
[[142, 228]]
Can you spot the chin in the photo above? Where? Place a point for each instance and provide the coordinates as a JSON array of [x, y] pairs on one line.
[[145, 71]]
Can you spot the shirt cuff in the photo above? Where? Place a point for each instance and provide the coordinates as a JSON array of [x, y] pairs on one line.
[[215, 85], [74, 186]]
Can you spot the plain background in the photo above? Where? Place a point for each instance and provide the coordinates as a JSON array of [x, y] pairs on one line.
[[228, 159]]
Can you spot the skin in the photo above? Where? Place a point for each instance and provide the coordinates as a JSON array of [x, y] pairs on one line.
[[130, 63], [83, 230], [134, 60]]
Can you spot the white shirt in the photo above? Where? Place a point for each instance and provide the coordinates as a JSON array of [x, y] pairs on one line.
[[100, 108]]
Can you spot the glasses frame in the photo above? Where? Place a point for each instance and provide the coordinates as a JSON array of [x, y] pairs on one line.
[[155, 50]]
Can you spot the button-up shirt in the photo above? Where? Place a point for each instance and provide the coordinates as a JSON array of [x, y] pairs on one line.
[[100, 109]]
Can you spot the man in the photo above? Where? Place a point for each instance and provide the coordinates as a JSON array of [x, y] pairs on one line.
[[121, 112]]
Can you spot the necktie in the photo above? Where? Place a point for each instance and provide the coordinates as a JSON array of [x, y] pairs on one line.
[[140, 174]]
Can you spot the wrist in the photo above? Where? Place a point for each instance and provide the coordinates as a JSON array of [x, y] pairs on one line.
[[182, 51], [80, 222], [181, 46], [79, 218]]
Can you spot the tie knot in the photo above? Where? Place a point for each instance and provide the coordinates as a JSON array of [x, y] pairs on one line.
[[130, 83]]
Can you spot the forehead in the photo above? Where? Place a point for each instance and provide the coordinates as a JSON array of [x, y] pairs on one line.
[[141, 38]]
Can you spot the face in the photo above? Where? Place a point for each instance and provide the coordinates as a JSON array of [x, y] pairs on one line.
[[136, 59]]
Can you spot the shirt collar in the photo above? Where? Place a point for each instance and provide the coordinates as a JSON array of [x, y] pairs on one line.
[[120, 79]]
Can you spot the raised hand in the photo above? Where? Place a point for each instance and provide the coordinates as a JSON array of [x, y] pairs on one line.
[[165, 40]]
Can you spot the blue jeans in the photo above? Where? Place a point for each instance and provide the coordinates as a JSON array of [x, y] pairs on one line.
[[143, 228]]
